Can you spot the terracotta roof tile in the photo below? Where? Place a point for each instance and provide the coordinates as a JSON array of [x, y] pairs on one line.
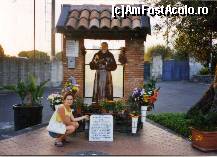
[[72, 23], [116, 23], [99, 17], [74, 14], [126, 23], [85, 14], [83, 23], [136, 24], [94, 14], [105, 13], [105, 23], [94, 23]]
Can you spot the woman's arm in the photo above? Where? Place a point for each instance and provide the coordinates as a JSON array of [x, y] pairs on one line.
[[79, 118]]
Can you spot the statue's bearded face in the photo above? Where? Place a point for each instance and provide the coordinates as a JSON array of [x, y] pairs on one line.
[[104, 47]]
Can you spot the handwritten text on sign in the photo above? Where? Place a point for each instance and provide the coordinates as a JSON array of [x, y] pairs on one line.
[[101, 128]]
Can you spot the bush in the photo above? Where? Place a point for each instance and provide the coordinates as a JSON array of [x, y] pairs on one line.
[[204, 71], [204, 122], [174, 121]]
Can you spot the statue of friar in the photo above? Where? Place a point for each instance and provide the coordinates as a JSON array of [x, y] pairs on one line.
[[103, 62]]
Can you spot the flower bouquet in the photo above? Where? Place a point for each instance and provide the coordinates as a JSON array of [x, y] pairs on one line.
[[146, 95], [70, 86], [55, 99], [144, 98]]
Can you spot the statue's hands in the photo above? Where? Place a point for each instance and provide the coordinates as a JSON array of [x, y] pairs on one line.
[[96, 59], [102, 61]]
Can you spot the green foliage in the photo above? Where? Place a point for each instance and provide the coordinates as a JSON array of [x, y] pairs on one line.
[[119, 106], [78, 103], [179, 122], [30, 54], [204, 71], [59, 56], [133, 107], [115, 106], [1, 51], [106, 105], [204, 122], [174, 121], [159, 50], [150, 85], [22, 89], [193, 34]]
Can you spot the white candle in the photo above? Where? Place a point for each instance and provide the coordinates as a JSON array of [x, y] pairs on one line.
[[134, 124]]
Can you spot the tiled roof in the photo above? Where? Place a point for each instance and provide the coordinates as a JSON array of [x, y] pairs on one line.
[[88, 18]]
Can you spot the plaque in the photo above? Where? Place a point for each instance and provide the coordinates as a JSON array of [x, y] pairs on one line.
[[101, 128]]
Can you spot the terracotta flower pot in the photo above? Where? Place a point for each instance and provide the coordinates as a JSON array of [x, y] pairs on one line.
[[203, 140]]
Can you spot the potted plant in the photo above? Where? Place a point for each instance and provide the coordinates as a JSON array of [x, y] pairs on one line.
[[29, 112], [107, 106], [55, 99], [204, 131], [78, 105], [144, 97], [119, 107]]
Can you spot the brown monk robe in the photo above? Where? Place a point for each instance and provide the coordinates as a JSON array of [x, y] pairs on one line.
[[103, 62]]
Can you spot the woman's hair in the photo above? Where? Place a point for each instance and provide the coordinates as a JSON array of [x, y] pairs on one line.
[[104, 43], [67, 94]]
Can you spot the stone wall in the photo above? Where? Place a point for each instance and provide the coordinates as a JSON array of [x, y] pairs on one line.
[[15, 69], [157, 67], [195, 67]]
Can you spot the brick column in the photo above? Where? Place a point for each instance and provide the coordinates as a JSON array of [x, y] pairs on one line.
[[78, 71], [134, 70]]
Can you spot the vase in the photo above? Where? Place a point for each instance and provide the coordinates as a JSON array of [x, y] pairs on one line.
[[143, 113], [134, 124]]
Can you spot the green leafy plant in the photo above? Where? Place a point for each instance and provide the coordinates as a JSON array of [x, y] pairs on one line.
[[204, 122], [132, 106], [108, 106], [30, 88], [119, 106], [174, 121], [20, 89], [204, 71]]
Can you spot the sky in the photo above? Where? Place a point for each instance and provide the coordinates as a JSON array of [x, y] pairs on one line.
[[16, 24]]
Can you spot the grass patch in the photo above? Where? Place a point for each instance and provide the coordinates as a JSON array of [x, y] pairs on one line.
[[174, 121]]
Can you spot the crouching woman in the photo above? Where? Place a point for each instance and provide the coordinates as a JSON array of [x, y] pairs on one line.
[[64, 121]]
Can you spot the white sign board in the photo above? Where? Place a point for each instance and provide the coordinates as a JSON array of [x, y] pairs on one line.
[[72, 48], [101, 128], [71, 62]]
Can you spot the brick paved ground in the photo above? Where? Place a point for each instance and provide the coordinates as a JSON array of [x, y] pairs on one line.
[[151, 141]]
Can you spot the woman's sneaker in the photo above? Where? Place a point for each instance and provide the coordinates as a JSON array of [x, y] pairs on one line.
[[58, 144]]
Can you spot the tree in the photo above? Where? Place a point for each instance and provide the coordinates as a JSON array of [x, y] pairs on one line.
[[30, 54], [195, 36], [198, 35], [159, 50], [59, 56], [1, 51]]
